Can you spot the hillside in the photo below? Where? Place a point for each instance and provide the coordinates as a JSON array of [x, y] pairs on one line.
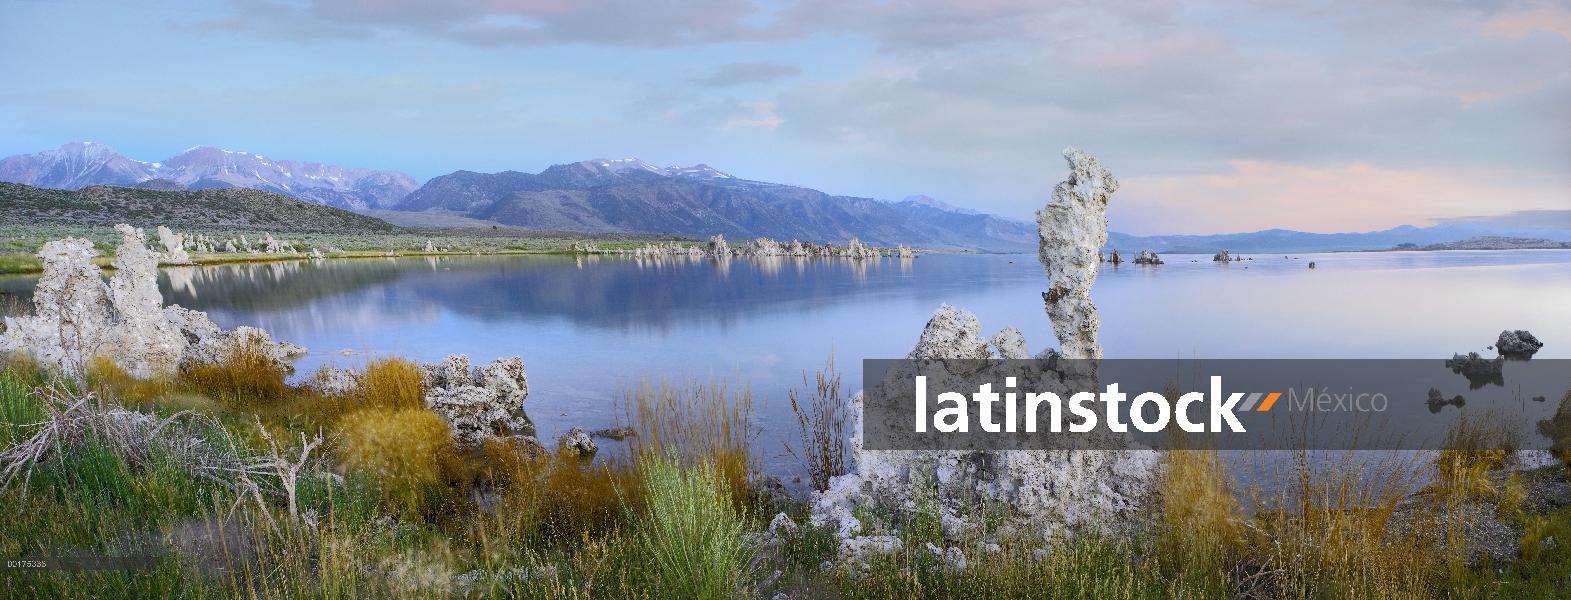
[[624, 196], [217, 208]]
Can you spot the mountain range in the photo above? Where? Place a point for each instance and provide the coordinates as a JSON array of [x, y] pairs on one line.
[[630, 195], [633, 196], [83, 164], [1282, 240]]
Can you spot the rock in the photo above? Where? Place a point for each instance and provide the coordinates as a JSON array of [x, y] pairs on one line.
[[1010, 344], [1479, 371], [174, 247], [718, 246], [141, 341], [1437, 401], [1115, 259], [1311, 264], [951, 333], [1053, 491], [782, 526], [72, 309], [315, 254], [429, 246], [1548, 543], [578, 442], [1071, 228], [1222, 256], [78, 317], [333, 381], [1148, 258], [952, 558], [1517, 344], [856, 249], [476, 402], [905, 252], [527, 444], [859, 550], [615, 433]]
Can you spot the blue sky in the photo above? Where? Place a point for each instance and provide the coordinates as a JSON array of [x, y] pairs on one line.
[[1217, 117]]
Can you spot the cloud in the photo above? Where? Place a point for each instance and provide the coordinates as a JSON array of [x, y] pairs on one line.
[[1516, 25], [491, 23], [1254, 195], [749, 72], [763, 116]]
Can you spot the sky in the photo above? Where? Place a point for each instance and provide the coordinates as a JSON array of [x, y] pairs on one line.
[[1216, 117]]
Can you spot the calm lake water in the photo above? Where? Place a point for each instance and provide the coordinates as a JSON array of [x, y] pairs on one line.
[[588, 327]]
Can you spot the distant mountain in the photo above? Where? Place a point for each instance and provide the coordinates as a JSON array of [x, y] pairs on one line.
[[1495, 242], [81, 164], [210, 209], [1282, 240], [1006, 233], [630, 195]]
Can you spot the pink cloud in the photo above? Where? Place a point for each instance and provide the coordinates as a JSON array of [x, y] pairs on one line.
[[1256, 195], [1516, 25]]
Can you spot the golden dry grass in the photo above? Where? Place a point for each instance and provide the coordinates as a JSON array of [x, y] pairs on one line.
[[695, 422], [392, 383], [246, 376], [557, 496], [409, 451]]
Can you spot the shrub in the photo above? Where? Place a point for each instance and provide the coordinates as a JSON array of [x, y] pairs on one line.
[[409, 451], [245, 376], [822, 426], [691, 535], [1199, 518], [392, 383], [559, 497]]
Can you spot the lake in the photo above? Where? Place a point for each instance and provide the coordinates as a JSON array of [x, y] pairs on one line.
[[589, 326]]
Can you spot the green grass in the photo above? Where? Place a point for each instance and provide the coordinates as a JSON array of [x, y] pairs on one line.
[[691, 534]]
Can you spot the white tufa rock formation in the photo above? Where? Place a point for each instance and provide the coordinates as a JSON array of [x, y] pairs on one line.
[[1071, 228], [78, 317], [477, 402], [1054, 491], [72, 308], [718, 246], [142, 340], [174, 246]]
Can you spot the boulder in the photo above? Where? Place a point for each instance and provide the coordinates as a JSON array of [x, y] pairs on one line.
[[1517, 344], [578, 442], [477, 402]]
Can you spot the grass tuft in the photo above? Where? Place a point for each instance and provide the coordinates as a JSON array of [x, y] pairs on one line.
[[392, 383], [822, 426], [245, 376], [691, 534]]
